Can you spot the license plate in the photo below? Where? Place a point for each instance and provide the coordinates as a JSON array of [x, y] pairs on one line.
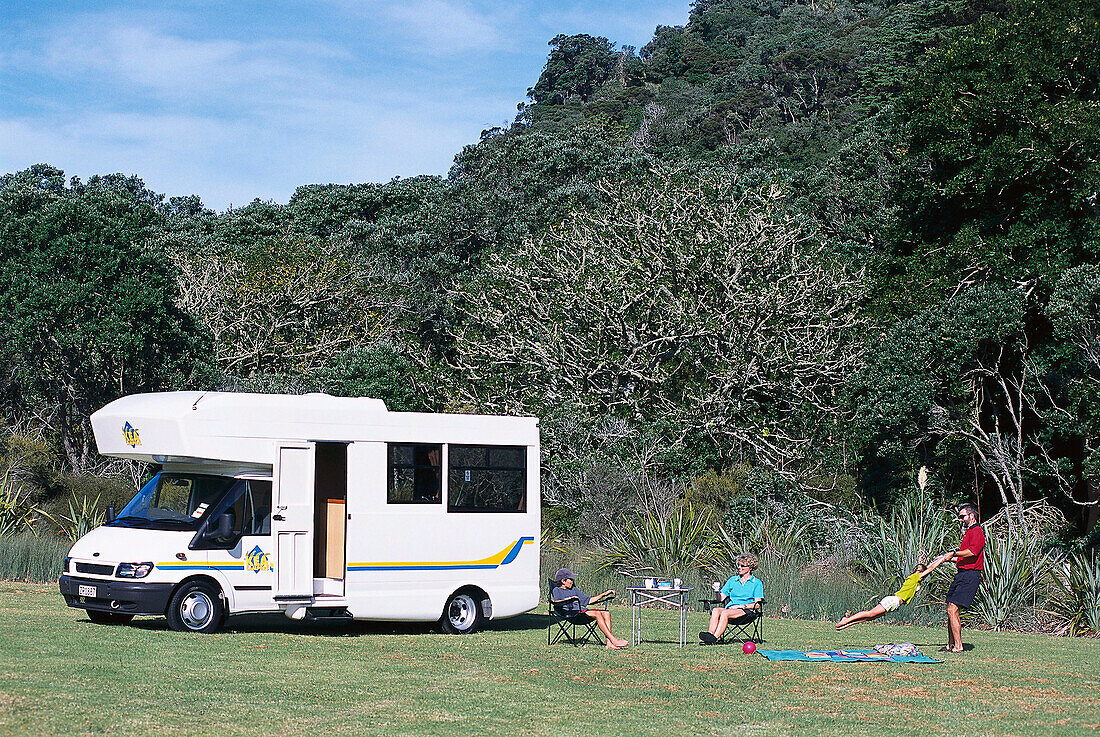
[[86, 591]]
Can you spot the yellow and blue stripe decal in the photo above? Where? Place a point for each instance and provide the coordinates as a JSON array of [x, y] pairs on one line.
[[503, 558], [254, 560], [228, 565]]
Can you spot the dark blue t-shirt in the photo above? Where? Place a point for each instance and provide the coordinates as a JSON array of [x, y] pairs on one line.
[[572, 606]]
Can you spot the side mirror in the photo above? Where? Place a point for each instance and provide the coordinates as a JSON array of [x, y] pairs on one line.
[[225, 526], [109, 515], [215, 534]]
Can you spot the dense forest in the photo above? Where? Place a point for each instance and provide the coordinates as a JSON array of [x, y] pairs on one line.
[[824, 254]]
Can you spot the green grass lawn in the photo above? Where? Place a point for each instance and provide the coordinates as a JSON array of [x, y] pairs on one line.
[[62, 675]]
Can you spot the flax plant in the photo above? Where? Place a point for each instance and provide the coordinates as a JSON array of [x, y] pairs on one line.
[[890, 548], [16, 514], [82, 518], [673, 543], [766, 538], [1076, 600], [1017, 575]]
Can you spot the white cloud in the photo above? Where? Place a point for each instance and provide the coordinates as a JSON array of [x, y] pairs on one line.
[[447, 27], [173, 66], [196, 103], [233, 161], [624, 25]]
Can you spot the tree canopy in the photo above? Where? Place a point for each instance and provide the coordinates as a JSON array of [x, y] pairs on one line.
[[840, 245]]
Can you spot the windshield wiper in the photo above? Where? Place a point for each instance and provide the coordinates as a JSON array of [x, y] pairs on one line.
[[131, 520], [135, 521], [186, 523]]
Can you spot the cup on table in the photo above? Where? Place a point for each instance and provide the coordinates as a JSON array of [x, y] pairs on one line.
[[650, 583], [676, 583]]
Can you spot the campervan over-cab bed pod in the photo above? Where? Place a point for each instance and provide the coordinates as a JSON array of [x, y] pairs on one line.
[[315, 506]]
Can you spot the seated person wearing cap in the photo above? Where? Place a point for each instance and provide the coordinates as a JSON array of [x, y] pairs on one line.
[[744, 593], [573, 603]]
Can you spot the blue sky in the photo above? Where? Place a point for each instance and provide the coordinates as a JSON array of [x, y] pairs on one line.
[[237, 100]]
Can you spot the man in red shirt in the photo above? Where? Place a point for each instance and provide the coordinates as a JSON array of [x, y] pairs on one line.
[[970, 559]]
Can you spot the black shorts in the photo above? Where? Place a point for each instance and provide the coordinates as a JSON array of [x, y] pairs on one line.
[[964, 586]]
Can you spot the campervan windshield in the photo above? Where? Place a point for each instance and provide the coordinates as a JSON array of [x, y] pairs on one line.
[[174, 501]]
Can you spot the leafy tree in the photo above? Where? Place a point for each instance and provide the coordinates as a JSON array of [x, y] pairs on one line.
[[382, 371], [88, 312], [577, 66], [927, 386], [997, 190], [684, 300], [1074, 417], [1003, 162], [283, 306]]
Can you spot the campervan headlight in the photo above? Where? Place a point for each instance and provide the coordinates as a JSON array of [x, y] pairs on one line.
[[65, 567], [133, 570]]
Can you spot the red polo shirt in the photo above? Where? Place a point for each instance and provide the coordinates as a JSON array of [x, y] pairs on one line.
[[974, 541]]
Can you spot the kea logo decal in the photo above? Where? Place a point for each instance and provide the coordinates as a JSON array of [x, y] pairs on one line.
[[130, 434], [257, 560]]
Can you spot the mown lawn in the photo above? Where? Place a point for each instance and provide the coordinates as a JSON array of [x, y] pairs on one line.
[[62, 675]]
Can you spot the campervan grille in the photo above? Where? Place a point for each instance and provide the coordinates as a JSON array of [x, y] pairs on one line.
[[96, 568]]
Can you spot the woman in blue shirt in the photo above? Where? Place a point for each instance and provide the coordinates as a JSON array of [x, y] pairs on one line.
[[743, 592]]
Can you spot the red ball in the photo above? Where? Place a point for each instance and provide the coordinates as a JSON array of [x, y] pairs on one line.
[[749, 647]]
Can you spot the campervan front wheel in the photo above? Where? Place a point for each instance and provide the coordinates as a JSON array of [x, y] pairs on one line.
[[462, 615], [196, 607]]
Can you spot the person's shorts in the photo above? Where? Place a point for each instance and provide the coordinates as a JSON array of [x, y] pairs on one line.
[[964, 586], [890, 603]]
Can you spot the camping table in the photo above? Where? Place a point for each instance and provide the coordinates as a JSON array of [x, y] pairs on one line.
[[672, 598]]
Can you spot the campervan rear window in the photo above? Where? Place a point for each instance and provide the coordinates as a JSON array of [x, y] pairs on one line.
[[487, 478], [415, 473]]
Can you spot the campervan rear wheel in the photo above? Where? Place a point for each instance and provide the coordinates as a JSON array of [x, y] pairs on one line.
[[462, 615], [109, 617], [196, 607]]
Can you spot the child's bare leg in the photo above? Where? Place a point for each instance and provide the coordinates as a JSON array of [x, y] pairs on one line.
[[848, 621], [603, 621]]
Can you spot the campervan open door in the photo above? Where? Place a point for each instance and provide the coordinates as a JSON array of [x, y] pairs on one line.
[[292, 521]]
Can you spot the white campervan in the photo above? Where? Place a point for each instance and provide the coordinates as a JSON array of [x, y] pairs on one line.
[[314, 506]]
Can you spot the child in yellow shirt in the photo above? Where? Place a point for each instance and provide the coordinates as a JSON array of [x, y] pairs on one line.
[[890, 603]]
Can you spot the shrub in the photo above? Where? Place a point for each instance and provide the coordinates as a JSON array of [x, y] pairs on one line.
[[715, 491], [29, 459], [106, 490]]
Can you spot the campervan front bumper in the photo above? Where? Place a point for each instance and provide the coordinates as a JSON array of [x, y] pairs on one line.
[[126, 597]]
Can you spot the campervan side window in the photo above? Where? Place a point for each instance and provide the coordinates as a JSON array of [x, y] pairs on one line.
[[487, 478], [252, 507], [249, 501], [415, 473]]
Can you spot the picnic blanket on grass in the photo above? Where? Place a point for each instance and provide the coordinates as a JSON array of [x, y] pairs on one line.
[[845, 656]]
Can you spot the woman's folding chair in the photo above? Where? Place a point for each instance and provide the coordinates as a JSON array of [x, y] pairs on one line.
[[576, 628], [750, 626]]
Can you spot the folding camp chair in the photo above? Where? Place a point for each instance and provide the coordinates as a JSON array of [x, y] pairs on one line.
[[750, 626], [576, 628]]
